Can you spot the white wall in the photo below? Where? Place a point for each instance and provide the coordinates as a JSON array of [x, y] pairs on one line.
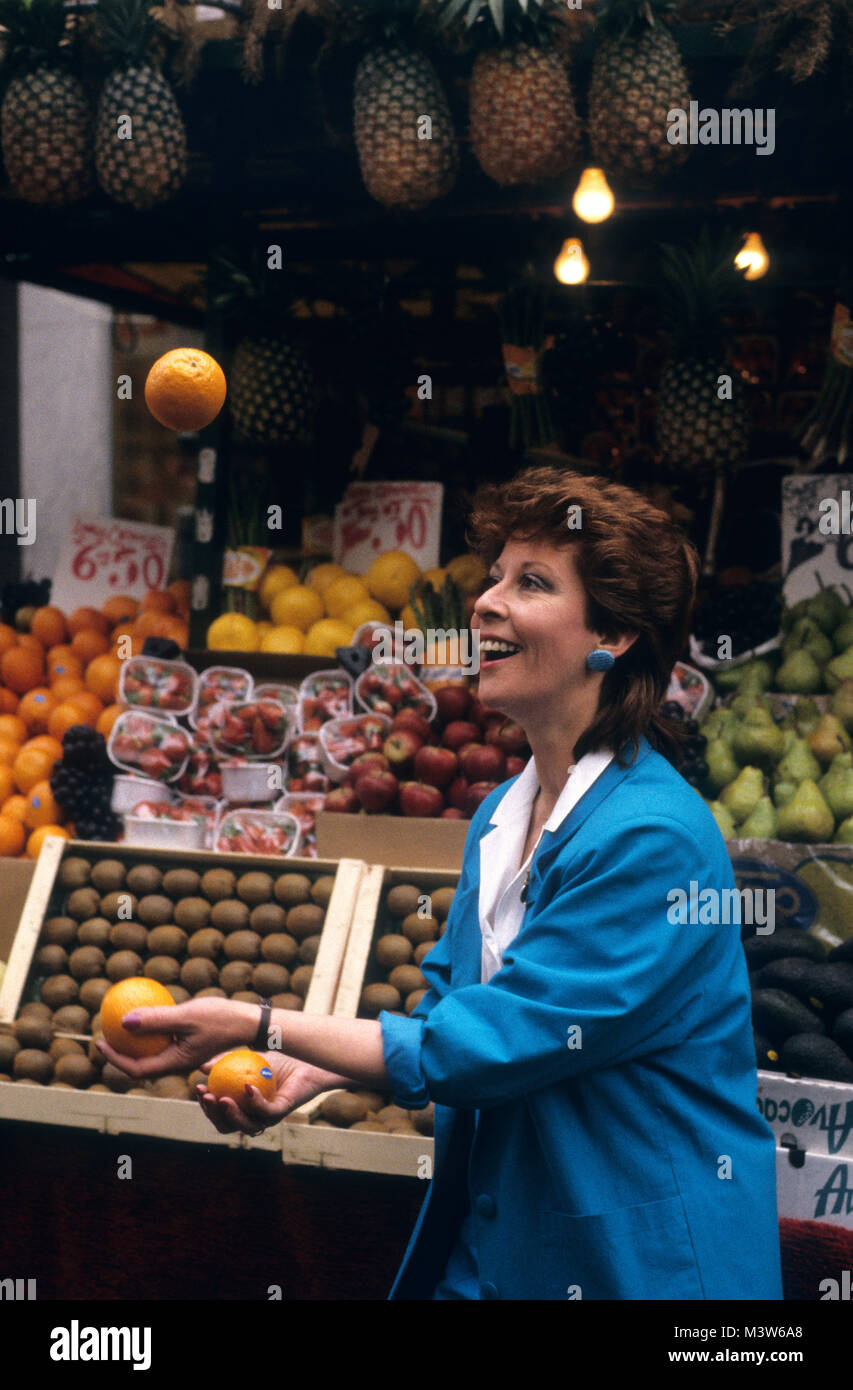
[[66, 396]]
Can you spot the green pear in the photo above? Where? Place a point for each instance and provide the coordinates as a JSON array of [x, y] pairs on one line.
[[806, 816], [761, 824], [744, 702], [807, 635], [844, 833], [741, 796], [799, 673], [828, 738], [759, 740], [827, 609], [724, 820], [797, 765], [842, 637], [729, 677], [720, 723], [837, 786], [806, 715], [782, 793], [723, 767], [839, 669], [842, 704], [790, 615]]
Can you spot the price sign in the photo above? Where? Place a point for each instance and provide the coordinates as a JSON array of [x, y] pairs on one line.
[[817, 535], [374, 517], [104, 556]]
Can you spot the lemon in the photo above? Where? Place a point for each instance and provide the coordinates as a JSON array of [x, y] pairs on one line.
[[321, 576], [408, 619], [263, 627], [344, 593], [390, 578], [368, 611], [284, 638], [232, 632], [325, 636], [275, 579], [468, 572], [298, 606]]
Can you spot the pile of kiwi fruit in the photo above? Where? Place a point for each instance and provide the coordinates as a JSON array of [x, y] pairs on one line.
[[206, 932], [393, 982]]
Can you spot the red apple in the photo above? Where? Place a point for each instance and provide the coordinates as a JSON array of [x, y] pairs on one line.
[[375, 791], [342, 799], [438, 766], [483, 715], [482, 763], [476, 794], [414, 722], [420, 799], [400, 749], [510, 737], [458, 733], [365, 762], [451, 813], [453, 702], [514, 766], [457, 793]]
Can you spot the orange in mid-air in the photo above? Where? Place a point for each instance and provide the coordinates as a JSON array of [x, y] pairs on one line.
[[233, 1072], [137, 992], [185, 389]]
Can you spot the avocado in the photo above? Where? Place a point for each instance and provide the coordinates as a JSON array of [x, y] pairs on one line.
[[831, 988], [793, 974], [842, 952], [778, 1015], [766, 1055], [842, 1031], [807, 1054], [787, 941]]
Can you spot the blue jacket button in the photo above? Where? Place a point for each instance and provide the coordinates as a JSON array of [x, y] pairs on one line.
[[488, 1291], [485, 1205]]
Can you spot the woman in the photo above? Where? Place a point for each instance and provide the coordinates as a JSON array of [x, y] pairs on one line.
[[590, 1059]]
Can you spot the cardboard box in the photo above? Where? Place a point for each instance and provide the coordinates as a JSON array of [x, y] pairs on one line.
[[812, 1187], [815, 1115], [393, 841]]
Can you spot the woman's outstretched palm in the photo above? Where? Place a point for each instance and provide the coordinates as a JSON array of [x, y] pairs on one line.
[[295, 1083]]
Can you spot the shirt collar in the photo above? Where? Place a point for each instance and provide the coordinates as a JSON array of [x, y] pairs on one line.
[[519, 799]]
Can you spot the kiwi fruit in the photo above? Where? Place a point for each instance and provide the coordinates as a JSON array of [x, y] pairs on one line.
[[197, 1078], [292, 889], [280, 948], [57, 990], [108, 875], [75, 1070], [192, 913], [413, 999], [236, 975], [86, 962], [372, 1099], [162, 968], [99, 1086], [65, 1047], [9, 1047], [343, 1108], [129, 936], [229, 916], [286, 1001], [392, 1114], [208, 943], [407, 978], [246, 996], [212, 992], [242, 945], [91, 995], [144, 879], [51, 960], [123, 964], [254, 888], [392, 950], [34, 1032], [178, 993], [167, 941], [401, 1127], [422, 950], [420, 929], [321, 890], [119, 907], [154, 910], [114, 1078], [95, 931], [82, 903], [32, 1065], [36, 1007], [171, 1087], [305, 920], [59, 931], [300, 980], [375, 998], [269, 979], [267, 917], [373, 1125], [180, 883], [138, 1091], [403, 899], [440, 902], [198, 973], [74, 872], [308, 949], [217, 884], [96, 1056], [74, 1018]]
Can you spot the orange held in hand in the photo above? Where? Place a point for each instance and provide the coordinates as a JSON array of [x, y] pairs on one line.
[[137, 992], [233, 1072], [185, 389]]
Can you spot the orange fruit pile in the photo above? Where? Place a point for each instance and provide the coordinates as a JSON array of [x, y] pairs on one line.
[[233, 1072], [137, 992]]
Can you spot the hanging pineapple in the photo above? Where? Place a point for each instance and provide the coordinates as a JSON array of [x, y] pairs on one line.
[[523, 124], [140, 139], [638, 77], [404, 132], [45, 118]]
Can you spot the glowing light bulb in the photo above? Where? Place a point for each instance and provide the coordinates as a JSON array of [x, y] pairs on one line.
[[571, 266], [593, 200], [752, 257]]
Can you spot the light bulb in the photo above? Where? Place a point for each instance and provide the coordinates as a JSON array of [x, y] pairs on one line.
[[752, 257], [571, 266], [593, 200]]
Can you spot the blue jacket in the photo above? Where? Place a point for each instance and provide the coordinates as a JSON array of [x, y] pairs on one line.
[[633, 1166]]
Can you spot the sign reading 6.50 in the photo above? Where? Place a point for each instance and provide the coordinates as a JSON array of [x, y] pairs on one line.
[[103, 557]]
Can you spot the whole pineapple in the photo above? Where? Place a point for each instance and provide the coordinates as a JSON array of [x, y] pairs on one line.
[[405, 164], [140, 139], [523, 124], [45, 118], [270, 391], [696, 428], [638, 77]]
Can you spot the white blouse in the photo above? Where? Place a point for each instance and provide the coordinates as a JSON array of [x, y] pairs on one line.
[[502, 875]]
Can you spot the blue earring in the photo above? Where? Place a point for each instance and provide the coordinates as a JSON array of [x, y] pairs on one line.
[[600, 660]]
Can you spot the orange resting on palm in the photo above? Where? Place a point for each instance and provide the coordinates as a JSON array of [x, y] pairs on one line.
[[137, 992], [233, 1072], [185, 389]]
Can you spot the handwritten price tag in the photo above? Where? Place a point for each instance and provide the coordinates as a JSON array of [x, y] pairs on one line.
[[374, 517], [104, 556]]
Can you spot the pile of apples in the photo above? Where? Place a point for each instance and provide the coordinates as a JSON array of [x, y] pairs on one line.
[[441, 769]]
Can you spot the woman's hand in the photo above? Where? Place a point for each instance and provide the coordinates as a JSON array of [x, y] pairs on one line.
[[295, 1083], [199, 1029]]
